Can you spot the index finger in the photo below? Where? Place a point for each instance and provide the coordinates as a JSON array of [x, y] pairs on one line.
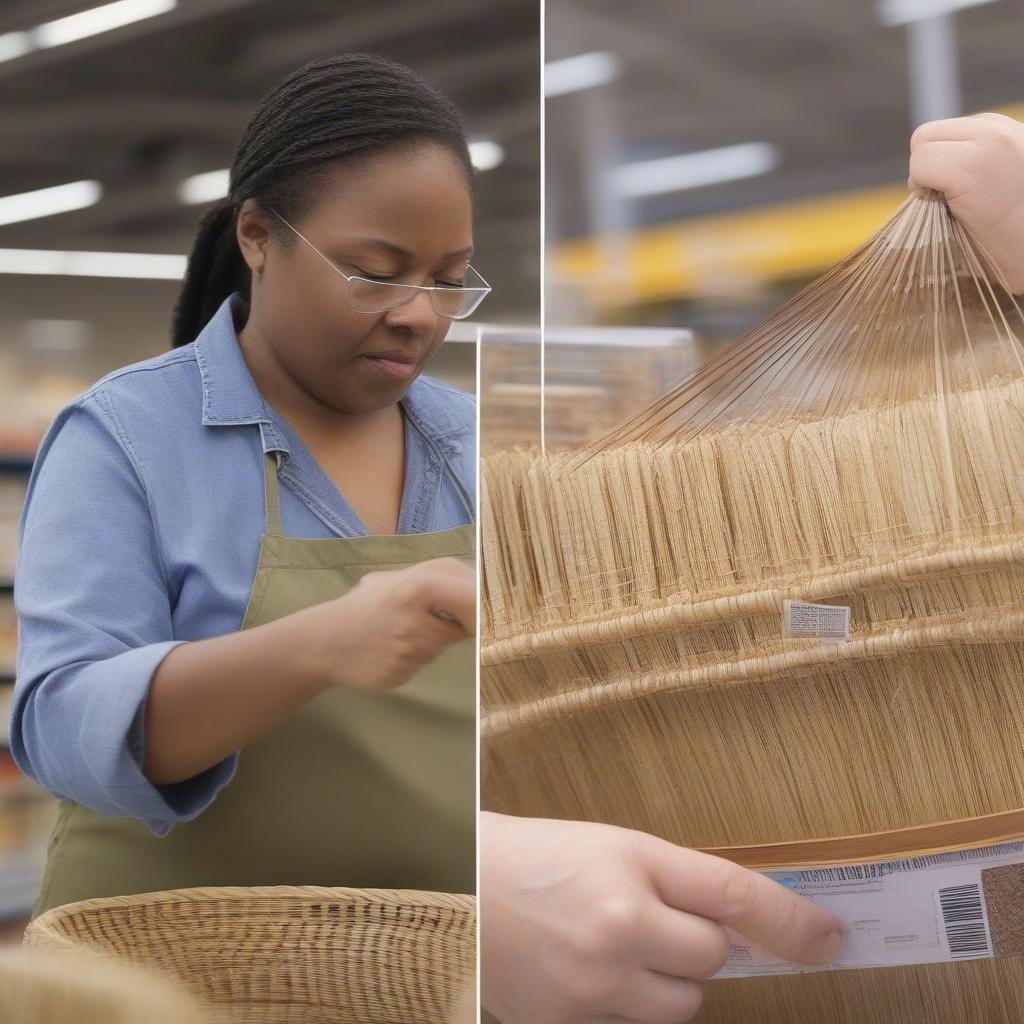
[[751, 903]]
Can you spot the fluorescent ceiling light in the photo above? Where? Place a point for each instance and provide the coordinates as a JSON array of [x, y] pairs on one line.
[[14, 44], [98, 19], [900, 12], [43, 262], [582, 72], [692, 170], [213, 185], [45, 202], [79, 26], [485, 154], [205, 187]]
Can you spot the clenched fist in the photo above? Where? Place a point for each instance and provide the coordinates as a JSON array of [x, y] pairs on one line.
[[391, 623], [977, 162]]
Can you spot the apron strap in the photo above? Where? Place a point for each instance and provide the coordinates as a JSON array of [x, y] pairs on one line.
[[272, 495]]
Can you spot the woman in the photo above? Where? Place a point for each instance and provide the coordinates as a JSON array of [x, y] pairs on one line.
[[244, 582]]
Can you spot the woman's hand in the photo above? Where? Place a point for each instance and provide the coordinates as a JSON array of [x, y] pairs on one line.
[[977, 162], [587, 922], [209, 698], [387, 626]]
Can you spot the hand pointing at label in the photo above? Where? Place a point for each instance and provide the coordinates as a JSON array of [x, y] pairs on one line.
[[585, 922]]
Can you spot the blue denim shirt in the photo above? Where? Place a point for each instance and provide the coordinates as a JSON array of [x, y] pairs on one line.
[[141, 531]]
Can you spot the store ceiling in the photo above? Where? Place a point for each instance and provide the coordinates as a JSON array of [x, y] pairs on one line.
[[145, 106], [827, 83]]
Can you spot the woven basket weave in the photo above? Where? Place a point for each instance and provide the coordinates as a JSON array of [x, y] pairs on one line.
[[287, 955], [83, 986]]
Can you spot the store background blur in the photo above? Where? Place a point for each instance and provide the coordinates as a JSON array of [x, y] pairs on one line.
[[116, 138], [703, 161]]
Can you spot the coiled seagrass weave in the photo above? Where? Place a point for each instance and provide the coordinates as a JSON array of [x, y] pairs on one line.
[[284, 954], [862, 447]]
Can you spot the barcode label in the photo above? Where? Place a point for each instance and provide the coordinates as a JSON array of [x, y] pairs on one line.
[[824, 621], [862, 872], [938, 908], [963, 915]]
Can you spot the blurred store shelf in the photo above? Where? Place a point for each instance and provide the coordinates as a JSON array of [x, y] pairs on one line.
[[19, 882], [594, 379], [27, 816]]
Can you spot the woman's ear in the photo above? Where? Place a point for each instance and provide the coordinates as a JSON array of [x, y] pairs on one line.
[[253, 233]]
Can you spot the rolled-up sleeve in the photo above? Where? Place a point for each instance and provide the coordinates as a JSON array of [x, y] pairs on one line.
[[94, 622]]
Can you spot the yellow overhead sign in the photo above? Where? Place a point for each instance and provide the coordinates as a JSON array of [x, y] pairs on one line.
[[707, 254]]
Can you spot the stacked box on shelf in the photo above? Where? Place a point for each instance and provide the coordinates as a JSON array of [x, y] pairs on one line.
[[594, 377]]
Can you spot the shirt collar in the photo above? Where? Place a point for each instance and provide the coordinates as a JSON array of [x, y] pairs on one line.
[[231, 396]]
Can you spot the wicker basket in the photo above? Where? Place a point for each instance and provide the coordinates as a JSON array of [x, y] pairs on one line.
[[83, 986], [284, 954]]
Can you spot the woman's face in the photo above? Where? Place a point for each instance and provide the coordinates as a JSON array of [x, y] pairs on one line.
[[403, 215]]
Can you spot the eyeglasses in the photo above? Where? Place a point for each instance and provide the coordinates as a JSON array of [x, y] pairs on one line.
[[365, 295]]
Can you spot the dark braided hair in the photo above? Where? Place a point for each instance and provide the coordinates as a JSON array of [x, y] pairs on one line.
[[334, 110]]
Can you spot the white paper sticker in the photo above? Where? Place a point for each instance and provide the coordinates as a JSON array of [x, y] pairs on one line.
[[824, 621], [962, 905]]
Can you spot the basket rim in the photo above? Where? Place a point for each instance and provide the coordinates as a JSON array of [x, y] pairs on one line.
[[49, 919]]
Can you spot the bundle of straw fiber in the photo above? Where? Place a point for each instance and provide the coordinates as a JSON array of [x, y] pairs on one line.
[[862, 447], [87, 987], [286, 954]]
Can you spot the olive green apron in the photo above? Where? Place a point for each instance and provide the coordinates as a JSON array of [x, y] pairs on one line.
[[353, 789]]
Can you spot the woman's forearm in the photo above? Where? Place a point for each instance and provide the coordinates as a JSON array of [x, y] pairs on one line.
[[209, 698]]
